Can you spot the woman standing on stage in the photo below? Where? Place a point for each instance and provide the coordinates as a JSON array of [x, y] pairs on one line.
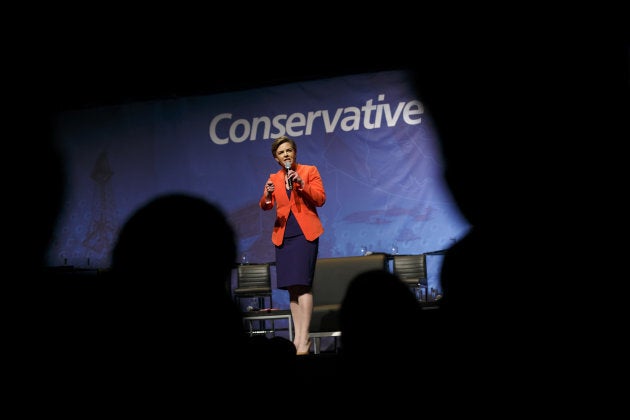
[[296, 190]]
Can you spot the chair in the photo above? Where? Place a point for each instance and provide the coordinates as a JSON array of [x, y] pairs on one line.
[[253, 281], [412, 270], [269, 315], [332, 277]]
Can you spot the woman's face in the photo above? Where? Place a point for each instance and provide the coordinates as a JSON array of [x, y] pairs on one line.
[[285, 153]]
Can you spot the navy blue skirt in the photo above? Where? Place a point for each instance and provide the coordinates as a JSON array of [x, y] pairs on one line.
[[295, 262]]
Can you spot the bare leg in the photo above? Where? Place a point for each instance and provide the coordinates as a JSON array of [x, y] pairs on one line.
[[301, 303]]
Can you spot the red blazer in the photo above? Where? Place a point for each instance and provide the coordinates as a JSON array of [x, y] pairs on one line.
[[303, 203]]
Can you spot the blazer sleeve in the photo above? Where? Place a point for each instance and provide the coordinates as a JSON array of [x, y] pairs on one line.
[[313, 190], [263, 200]]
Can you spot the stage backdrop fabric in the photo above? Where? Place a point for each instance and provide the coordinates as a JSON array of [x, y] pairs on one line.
[[369, 135]]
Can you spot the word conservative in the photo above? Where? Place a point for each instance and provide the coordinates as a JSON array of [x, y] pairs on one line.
[[224, 128]]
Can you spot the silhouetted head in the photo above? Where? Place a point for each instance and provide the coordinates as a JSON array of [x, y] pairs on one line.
[[178, 247], [169, 278], [176, 233], [377, 302]]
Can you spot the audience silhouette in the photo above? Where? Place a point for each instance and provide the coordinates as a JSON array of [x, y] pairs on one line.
[[508, 130], [385, 342], [379, 319], [169, 285], [44, 323], [477, 112], [158, 323], [158, 329]]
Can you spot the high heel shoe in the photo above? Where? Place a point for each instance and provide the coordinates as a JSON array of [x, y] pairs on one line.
[[308, 351]]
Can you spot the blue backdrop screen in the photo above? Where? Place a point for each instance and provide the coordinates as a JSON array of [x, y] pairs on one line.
[[369, 135]]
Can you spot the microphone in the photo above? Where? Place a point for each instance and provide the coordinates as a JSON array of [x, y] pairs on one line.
[[287, 166]]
